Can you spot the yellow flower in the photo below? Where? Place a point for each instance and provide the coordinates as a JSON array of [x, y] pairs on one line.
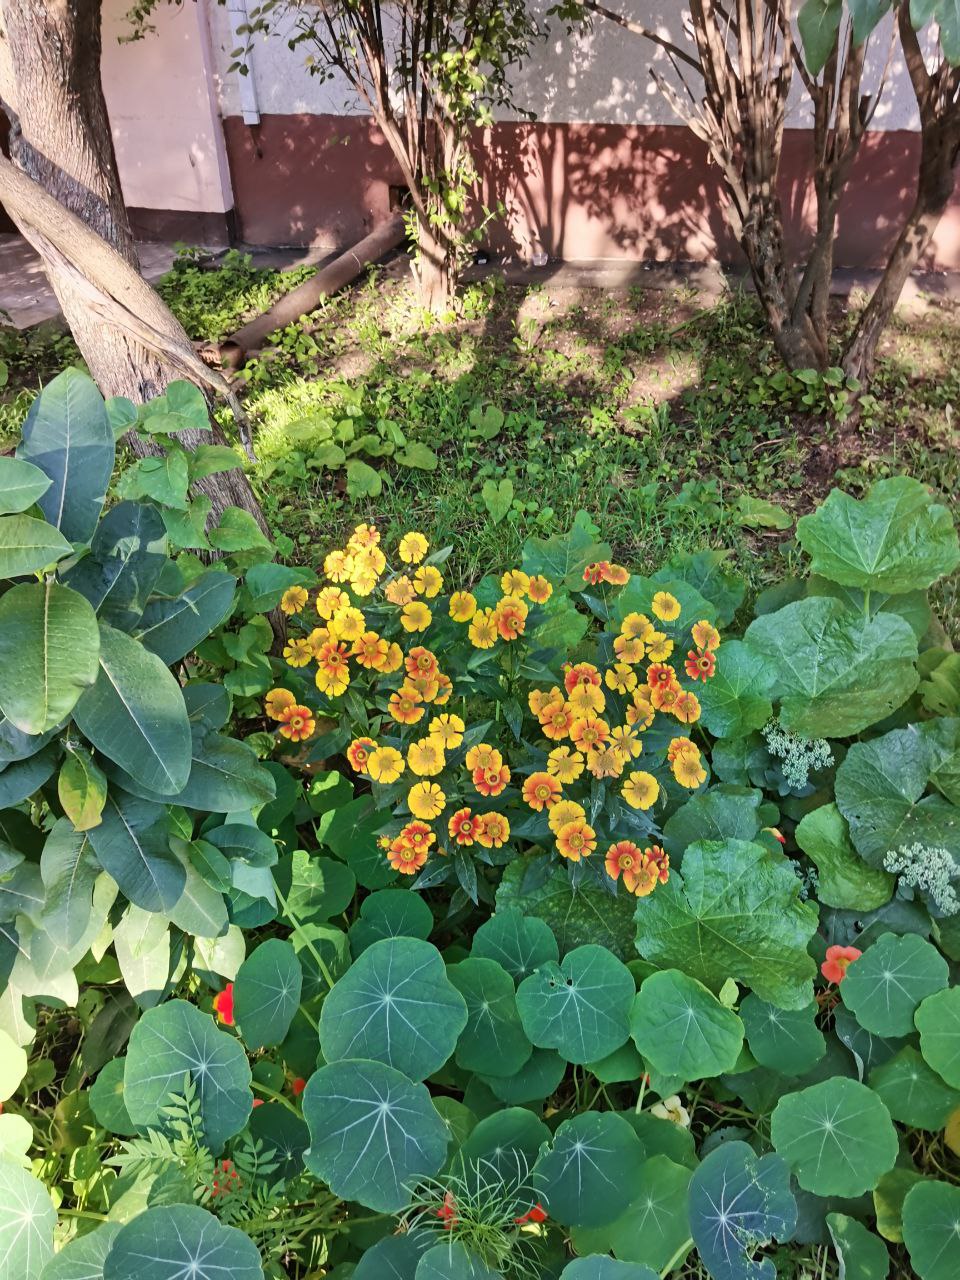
[[585, 699], [332, 682], [605, 762], [659, 647], [363, 584], [705, 636], [621, 678], [629, 649], [426, 800], [348, 624], [293, 599], [385, 765], [688, 770], [329, 600], [400, 590], [539, 589], [394, 659], [318, 637], [483, 756], [641, 790], [278, 700], [565, 765], [413, 547], [462, 606], [483, 629], [416, 616], [427, 581], [641, 714], [298, 652], [338, 566], [444, 689], [565, 811], [515, 583], [636, 626], [627, 742], [449, 729], [364, 535], [665, 606], [426, 757]]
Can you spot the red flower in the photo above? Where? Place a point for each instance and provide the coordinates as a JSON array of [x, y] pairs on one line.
[[448, 1212], [297, 1086], [536, 1214], [223, 1005], [258, 1102], [700, 664], [834, 968]]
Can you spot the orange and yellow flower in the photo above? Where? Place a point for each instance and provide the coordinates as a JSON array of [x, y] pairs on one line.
[[330, 600], [688, 769], [665, 606], [705, 635], [511, 617], [541, 791], [700, 664], [371, 651], [565, 765], [483, 756], [576, 840], [687, 708], [400, 591], [464, 826], [405, 858], [491, 782], [556, 720], [624, 859], [297, 723], [449, 729], [293, 600], [515, 583], [493, 831], [581, 673], [565, 811], [588, 732], [276, 700], [641, 790], [358, 753], [637, 626], [463, 606], [621, 678], [404, 705], [539, 589]]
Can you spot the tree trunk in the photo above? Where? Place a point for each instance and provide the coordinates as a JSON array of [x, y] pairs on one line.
[[61, 138], [435, 271]]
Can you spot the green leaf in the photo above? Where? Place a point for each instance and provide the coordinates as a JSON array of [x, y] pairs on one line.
[[266, 584], [733, 911], [707, 573], [938, 1021], [173, 1041], [637, 597], [373, 1133], [127, 556], [836, 1136], [497, 498], [27, 1220], [785, 1040], [132, 845], [238, 531], [390, 913], [758, 513], [23, 777], [165, 480], [586, 1175], [656, 1226], [819, 22], [249, 844], [682, 1029], [942, 737], [82, 789], [493, 1039], [738, 1204], [68, 870], [518, 942], [504, 1142], [13, 1066], [537, 1079], [211, 459], [21, 485], [394, 1005], [866, 14], [394, 1257], [141, 942], [418, 455], [913, 1092], [599, 1266], [888, 1197], [172, 628], [896, 539], [724, 812], [931, 1212], [948, 16], [83, 1257], [171, 1242], [135, 715], [452, 1260], [28, 545], [837, 673], [266, 993], [68, 436], [884, 987], [735, 701], [581, 1006], [362, 480], [562, 558], [861, 1254], [225, 776], [844, 880], [49, 644], [575, 913]]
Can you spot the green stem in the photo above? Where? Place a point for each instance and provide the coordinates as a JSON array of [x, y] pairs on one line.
[[677, 1257], [297, 927], [276, 1097], [83, 1213]]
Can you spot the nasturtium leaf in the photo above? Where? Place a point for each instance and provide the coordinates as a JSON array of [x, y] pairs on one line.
[[520, 943], [49, 643], [623, 1064], [735, 702], [733, 911], [885, 986], [493, 1039], [373, 1133], [581, 1006], [682, 1029], [586, 1175], [284, 1136], [600, 1266], [21, 485], [132, 845], [662, 1137], [394, 1257], [575, 913], [266, 993], [127, 556], [913, 1092], [836, 1136], [738, 1202], [506, 1143], [538, 1078], [171, 1242], [83, 1258], [724, 812], [938, 1021], [171, 628], [27, 1220], [895, 539], [836, 672], [888, 1197], [655, 1228], [394, 1005], [13, 1066], [844, 879], [175, 1040], [390, 913], [452, 1260], [786, 1040], [931, 1214], [860, 1254], [106, 1099]]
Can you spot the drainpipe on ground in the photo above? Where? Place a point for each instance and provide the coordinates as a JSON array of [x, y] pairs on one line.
[[246, 84]]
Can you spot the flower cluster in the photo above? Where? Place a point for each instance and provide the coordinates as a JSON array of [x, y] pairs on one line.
[[932, 870], [556, 757], [799, 757]]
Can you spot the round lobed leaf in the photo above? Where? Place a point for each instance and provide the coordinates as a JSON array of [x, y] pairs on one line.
[[520, 943], [785, 1040], [938, 1021], [861, 1254], [581, 1006], [453, 1261], [885, 986], [737, 1203], [601, 1267], [931, 1229], [913, 1092], [390, 913], [656, 1227], [175, 1241], [586, 1176], [493, 1039], [27, 1220], [266, 993], [682, 1029]]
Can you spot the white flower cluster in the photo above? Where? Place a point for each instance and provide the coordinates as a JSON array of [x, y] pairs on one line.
[[799, 757], [930, 869]]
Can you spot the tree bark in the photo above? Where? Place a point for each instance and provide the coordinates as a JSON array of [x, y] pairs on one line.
[[61, 138], [435, 270]]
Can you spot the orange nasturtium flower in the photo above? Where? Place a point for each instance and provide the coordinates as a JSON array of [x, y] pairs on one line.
[[358, 753], [297, 723], [293, 599], [576, 840], [834, 967], [700, 664], [541, 791], [463, 826], [275, 702], [223, 1005]]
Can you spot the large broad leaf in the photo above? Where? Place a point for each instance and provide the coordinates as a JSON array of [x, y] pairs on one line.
[[21, 485], [576, 912], [175, 1040], [836, 1136], [735, 702], [390, 913], [493, 1039], [394, 1257], [135, 714], [879, 791], [538, 1078], [938, 1021], [819, 22], [943, 741], [737, 1204], [395, 1005], [861, 1254], [708, 572], [785, 1040], [132, 844], [913, 1092], [27, 1220], [931, 1212], [885, 986], [844, 880], [452, 1260], [682, 1029], [373, 1133], [505, 1143], [69, 870], [173, 1242], [49, 644], [225, 775], [172, 628], [599, 1266], [82, 789], [266, 993], [22, 778], [68, 436], [141, 942], [581, 1006], [563, 557], [586, 1176], [655, 1229], [895, 539], [126, 557], [724, 812], [84, 1257], [28, 545], [734, 911], [836, 672], [520, 943]]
